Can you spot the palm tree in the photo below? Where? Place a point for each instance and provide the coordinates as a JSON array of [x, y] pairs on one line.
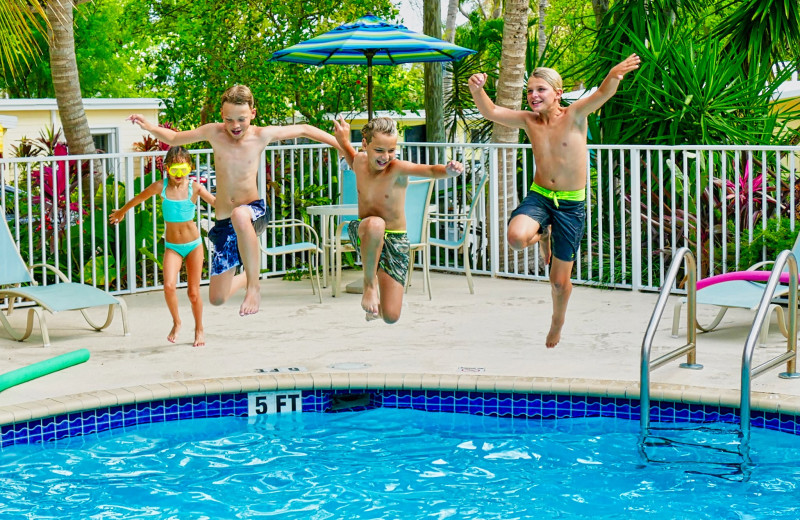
[[21, 18], [510, 84], [434, 110], [67, 86], [17, 26]]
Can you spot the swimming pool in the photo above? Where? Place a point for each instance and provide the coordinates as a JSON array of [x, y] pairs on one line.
[[384, 463]]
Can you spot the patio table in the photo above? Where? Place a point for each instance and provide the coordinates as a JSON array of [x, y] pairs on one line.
[[326, 213]]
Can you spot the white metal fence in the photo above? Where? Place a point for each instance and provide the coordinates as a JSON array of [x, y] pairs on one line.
[[642, 203]]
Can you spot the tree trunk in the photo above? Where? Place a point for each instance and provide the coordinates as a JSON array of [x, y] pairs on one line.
[[542, 35], [64, 69], [434, 93], [510, 86], [450, 23], [600, 8]]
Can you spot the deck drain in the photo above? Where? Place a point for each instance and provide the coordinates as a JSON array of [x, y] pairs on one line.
[[348, 366]]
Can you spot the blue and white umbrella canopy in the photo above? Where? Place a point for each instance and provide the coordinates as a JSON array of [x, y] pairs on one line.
[[371, 41]]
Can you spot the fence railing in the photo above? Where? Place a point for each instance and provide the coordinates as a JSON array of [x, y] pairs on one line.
[[643, 202]]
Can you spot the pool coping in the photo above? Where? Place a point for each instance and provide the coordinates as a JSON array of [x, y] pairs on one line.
[[762, 401]]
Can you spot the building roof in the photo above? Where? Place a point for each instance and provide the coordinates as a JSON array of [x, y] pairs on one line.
[[19, 105]]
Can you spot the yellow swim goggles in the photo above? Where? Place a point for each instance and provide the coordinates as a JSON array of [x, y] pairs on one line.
[[179, 169]]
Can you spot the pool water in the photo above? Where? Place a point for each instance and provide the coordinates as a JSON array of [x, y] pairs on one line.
[[388, 463]]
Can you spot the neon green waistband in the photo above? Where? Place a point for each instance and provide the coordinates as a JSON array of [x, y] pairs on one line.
[[391, 231], [574, 195]]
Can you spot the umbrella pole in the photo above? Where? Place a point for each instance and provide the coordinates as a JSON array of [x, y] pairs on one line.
[[369, 55]]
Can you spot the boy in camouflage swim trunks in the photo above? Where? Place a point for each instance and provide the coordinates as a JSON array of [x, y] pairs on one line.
[[379, 233]]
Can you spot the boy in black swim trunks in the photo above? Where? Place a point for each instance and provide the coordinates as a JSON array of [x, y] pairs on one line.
[[241, 213], [556, 198], [380, 230]]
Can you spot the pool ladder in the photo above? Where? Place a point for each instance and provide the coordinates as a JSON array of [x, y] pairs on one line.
[[786, 258]]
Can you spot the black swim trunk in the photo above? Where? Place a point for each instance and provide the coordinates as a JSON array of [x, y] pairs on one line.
[[567, 218], [225, 253]]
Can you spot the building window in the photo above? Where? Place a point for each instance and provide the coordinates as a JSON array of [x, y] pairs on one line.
[[106, 139]]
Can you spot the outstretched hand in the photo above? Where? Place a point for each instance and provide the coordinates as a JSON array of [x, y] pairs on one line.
[[137, 119], [477, 81], [341, 129], [454, 168], [116, 217], [628, 64]]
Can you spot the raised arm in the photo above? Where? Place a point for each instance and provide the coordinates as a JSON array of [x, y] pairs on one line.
[[169, 136], [492, 112], [281, 133], [154, 189], [584, 107], [434, 171], [206, 195], [341, 130]]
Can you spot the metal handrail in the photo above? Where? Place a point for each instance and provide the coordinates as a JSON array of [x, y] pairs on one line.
[[790, 356], [690, 348]]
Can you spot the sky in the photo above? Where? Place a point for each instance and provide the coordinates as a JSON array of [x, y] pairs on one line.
[[411, 13]]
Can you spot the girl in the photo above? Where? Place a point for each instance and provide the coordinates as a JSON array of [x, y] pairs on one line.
[[182, 238]]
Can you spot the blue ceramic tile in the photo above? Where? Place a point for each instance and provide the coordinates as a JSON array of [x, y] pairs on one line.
[[682, 414], [448, 403], [535, 406], [418, 402]]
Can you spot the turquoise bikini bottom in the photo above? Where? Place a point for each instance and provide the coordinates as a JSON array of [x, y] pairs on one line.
[[183, 249]]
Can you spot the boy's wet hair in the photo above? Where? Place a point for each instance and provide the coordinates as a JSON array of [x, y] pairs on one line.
[[552, 77], [178, 154], [238, 95], [379, 125]]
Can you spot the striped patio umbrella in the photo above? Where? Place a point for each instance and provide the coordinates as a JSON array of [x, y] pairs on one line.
[[371, 41]]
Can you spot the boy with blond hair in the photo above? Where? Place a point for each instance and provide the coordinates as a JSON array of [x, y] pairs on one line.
[[555, 204], [241, 214], [379, 234]]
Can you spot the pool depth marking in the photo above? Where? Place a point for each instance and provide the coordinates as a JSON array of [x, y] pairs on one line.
[[271, 403]]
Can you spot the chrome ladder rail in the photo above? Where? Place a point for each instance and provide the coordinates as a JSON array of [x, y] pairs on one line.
[[690, 348], [790, 356]]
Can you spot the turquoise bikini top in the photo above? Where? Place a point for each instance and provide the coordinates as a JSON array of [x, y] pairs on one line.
[[178, 210]]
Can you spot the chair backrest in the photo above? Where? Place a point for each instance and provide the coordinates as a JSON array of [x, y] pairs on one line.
[[418, 196], [796, 247], [348, 193], [14, 269], [476, 195]]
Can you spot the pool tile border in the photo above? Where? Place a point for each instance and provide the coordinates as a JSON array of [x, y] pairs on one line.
[[528, 397]]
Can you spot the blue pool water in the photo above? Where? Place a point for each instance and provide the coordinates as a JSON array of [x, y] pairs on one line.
[[386, 463]]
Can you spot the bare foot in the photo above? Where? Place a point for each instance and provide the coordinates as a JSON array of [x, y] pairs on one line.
[[554, 336], [370, 317], [370, 302], [199, 338], [251, 303], [173, 334], [544, 247]]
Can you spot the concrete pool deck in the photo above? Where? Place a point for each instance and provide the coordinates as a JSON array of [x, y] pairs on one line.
[[490, 341]]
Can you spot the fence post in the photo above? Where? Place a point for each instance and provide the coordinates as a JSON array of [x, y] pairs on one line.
[[130, 228], [494, 228], [636, 221]]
